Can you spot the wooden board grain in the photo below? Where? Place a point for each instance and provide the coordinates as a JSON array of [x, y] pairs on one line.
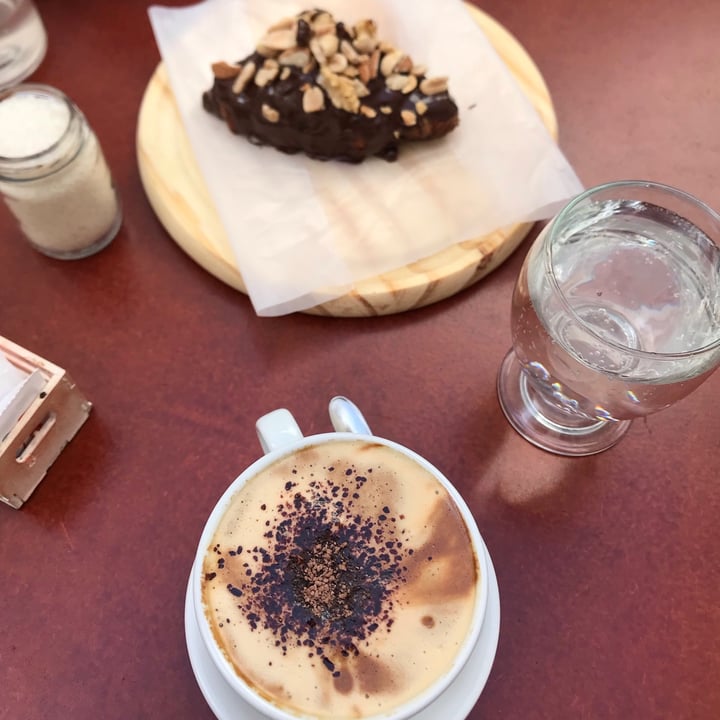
[[177, 193]]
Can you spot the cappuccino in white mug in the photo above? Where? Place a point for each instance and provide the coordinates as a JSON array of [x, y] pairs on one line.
[[341, 580]]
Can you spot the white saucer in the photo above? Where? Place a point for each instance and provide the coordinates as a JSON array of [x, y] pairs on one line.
[[453, 704]]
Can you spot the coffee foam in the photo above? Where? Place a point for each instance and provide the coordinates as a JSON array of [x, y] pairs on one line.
[[341, 581]]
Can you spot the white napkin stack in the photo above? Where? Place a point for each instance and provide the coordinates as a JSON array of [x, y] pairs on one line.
[[17, 392]]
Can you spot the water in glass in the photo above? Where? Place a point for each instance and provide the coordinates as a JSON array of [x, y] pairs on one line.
[[632, 276]]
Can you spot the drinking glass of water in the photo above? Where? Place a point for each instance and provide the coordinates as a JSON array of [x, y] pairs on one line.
[[615, 315], [23, 41]]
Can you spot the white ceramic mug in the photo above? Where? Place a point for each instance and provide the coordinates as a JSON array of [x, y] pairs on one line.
[[282, 440]]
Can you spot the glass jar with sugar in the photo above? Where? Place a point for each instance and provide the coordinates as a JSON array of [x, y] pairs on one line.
[[53, 174]]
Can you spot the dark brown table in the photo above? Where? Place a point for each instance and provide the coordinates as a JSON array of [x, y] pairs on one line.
[[609, 567]]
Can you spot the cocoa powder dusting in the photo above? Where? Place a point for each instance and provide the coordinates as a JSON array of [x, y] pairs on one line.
[[326, 575]]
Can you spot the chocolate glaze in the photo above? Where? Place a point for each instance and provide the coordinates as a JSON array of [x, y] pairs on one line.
[[330, 133]]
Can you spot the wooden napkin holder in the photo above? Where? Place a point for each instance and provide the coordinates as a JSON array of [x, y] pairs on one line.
[[44, 429]]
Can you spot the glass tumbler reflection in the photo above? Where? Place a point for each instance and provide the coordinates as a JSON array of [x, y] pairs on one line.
[[615, 315], [23, 41]]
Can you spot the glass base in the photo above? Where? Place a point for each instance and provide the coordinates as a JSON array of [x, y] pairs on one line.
[[546, 426], [100, 244]]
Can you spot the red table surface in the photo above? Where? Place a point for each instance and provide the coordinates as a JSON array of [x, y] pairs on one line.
[[609, 566]]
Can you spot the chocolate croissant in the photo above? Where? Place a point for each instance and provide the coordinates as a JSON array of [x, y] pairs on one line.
[[313, 85]]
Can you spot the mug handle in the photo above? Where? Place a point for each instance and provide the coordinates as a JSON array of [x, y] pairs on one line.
[[276, 430]]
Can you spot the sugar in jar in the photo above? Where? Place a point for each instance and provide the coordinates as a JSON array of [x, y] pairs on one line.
[[53, 174]]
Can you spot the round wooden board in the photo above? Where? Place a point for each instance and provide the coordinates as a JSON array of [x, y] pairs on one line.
[[177, 193]]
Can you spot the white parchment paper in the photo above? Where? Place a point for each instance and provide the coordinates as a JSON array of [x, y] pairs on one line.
[[304, 231]]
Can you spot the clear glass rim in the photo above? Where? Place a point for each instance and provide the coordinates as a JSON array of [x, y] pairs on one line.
[[548, 262], [15, 164]]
